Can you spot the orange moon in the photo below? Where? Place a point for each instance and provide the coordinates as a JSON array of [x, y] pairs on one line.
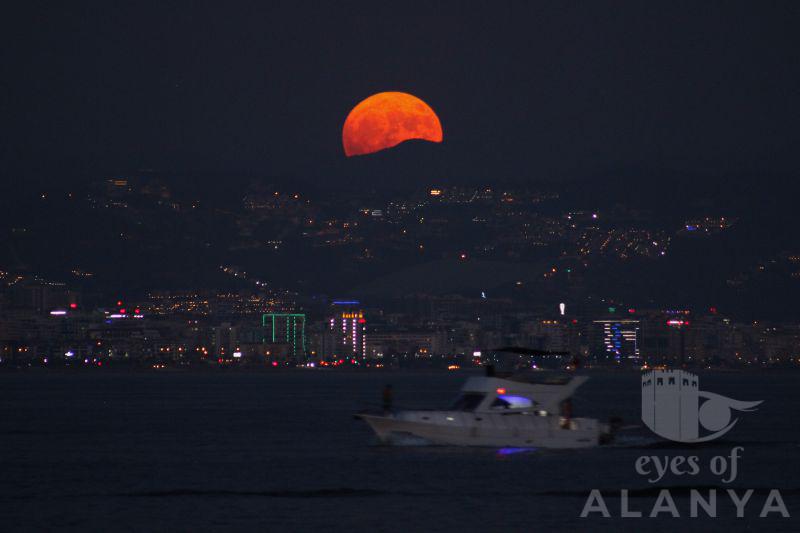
[[385, 120]]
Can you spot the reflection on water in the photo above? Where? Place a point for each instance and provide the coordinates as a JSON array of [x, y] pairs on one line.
[[502, 452]]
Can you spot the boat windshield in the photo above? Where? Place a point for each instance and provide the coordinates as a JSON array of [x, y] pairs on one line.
[[505, 401], [467, 402]]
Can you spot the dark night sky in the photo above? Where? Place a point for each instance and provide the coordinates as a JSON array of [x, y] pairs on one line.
[[523, 89]]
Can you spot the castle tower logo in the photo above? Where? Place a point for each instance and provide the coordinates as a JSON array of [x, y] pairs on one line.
[[671, 407]]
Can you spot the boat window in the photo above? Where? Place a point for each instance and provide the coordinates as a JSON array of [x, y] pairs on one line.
[[512, 402], [467, 402]]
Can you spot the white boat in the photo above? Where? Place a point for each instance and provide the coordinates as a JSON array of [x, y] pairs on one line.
[[498, 412]]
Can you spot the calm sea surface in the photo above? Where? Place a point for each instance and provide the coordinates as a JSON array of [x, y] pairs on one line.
[[276, 451]]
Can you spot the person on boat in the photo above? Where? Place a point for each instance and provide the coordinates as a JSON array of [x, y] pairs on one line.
[[387, 398], [566, 413]]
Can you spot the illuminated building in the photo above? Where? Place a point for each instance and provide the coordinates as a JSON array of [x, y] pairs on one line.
[[225, 339], [346, 331], [547, 334], [620, 339], [393, 342], [288, 329], [119, 186]]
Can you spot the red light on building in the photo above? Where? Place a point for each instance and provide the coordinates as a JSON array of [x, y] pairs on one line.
[[631, 310], [73, 305], [713, 310], [362, 320], [122, 311], [137, 311], [119, 302]]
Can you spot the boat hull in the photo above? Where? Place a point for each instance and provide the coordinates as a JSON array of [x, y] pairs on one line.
[[462, 429]]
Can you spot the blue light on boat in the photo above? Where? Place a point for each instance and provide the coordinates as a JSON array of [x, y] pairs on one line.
[[512, 451]]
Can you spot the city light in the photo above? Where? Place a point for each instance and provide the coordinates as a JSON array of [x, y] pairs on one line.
[[428, 325]]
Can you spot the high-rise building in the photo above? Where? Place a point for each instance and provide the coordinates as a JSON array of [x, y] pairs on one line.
[[287, 329], [620, 339], [549, 334], [346, 331]]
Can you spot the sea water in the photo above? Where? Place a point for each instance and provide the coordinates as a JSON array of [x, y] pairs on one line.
[[280, 450]]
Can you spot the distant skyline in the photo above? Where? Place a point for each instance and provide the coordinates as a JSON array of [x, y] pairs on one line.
[[525, 90]]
